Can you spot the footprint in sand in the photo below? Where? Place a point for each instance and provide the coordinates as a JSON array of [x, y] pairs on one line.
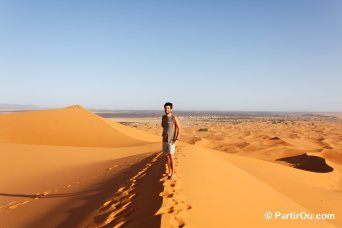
[[113, 211], [14, 206], [174, 206], [47, 192]]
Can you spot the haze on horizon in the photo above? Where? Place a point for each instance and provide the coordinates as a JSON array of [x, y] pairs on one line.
[[200, 55]]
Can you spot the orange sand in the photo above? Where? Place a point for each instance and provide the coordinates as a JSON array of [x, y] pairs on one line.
[[60, 167], [234, 173], [71, 168]]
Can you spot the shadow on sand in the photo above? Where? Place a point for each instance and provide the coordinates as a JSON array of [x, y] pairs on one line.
[[308, 163], [45, 196], [143, 208]]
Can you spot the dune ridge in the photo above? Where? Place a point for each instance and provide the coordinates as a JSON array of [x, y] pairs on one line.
[[225, 189], [71, 168], [243, 167], [54, 161], [70, 126]]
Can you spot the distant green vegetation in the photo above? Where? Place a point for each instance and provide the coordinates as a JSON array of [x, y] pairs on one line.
[[203, 129]]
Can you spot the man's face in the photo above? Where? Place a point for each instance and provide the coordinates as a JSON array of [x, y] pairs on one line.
[[167, 109]]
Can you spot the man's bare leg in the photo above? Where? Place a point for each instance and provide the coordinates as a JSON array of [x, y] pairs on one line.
[[169, 164], [172, 165]]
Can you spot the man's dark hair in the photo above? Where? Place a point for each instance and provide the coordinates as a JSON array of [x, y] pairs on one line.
[[168, 104]]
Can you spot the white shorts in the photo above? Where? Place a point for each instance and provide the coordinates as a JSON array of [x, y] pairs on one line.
[[168, 148]]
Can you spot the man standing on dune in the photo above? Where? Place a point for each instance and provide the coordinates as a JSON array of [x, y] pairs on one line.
[[171, 133]]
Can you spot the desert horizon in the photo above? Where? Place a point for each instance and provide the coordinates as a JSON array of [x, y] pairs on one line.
[[171, 114], [120, 112], [74, 168]]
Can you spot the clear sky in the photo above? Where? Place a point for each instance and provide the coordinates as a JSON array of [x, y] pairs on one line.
[[200, 55]]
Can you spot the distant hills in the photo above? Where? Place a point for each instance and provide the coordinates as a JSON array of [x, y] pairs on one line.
[[13, 107]]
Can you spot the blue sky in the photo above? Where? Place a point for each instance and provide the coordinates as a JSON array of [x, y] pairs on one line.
[[200, 55]]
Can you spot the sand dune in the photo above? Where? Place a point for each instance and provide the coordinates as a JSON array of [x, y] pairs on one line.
[[233, 173], [267, 141], [333, 155], [58, 167], [221, 190], [71, 126], [71, 168]]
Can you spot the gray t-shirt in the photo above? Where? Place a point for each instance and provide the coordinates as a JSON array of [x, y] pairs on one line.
[[169, 128]]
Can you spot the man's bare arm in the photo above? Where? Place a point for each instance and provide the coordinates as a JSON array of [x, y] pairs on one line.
[[179, 129]]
